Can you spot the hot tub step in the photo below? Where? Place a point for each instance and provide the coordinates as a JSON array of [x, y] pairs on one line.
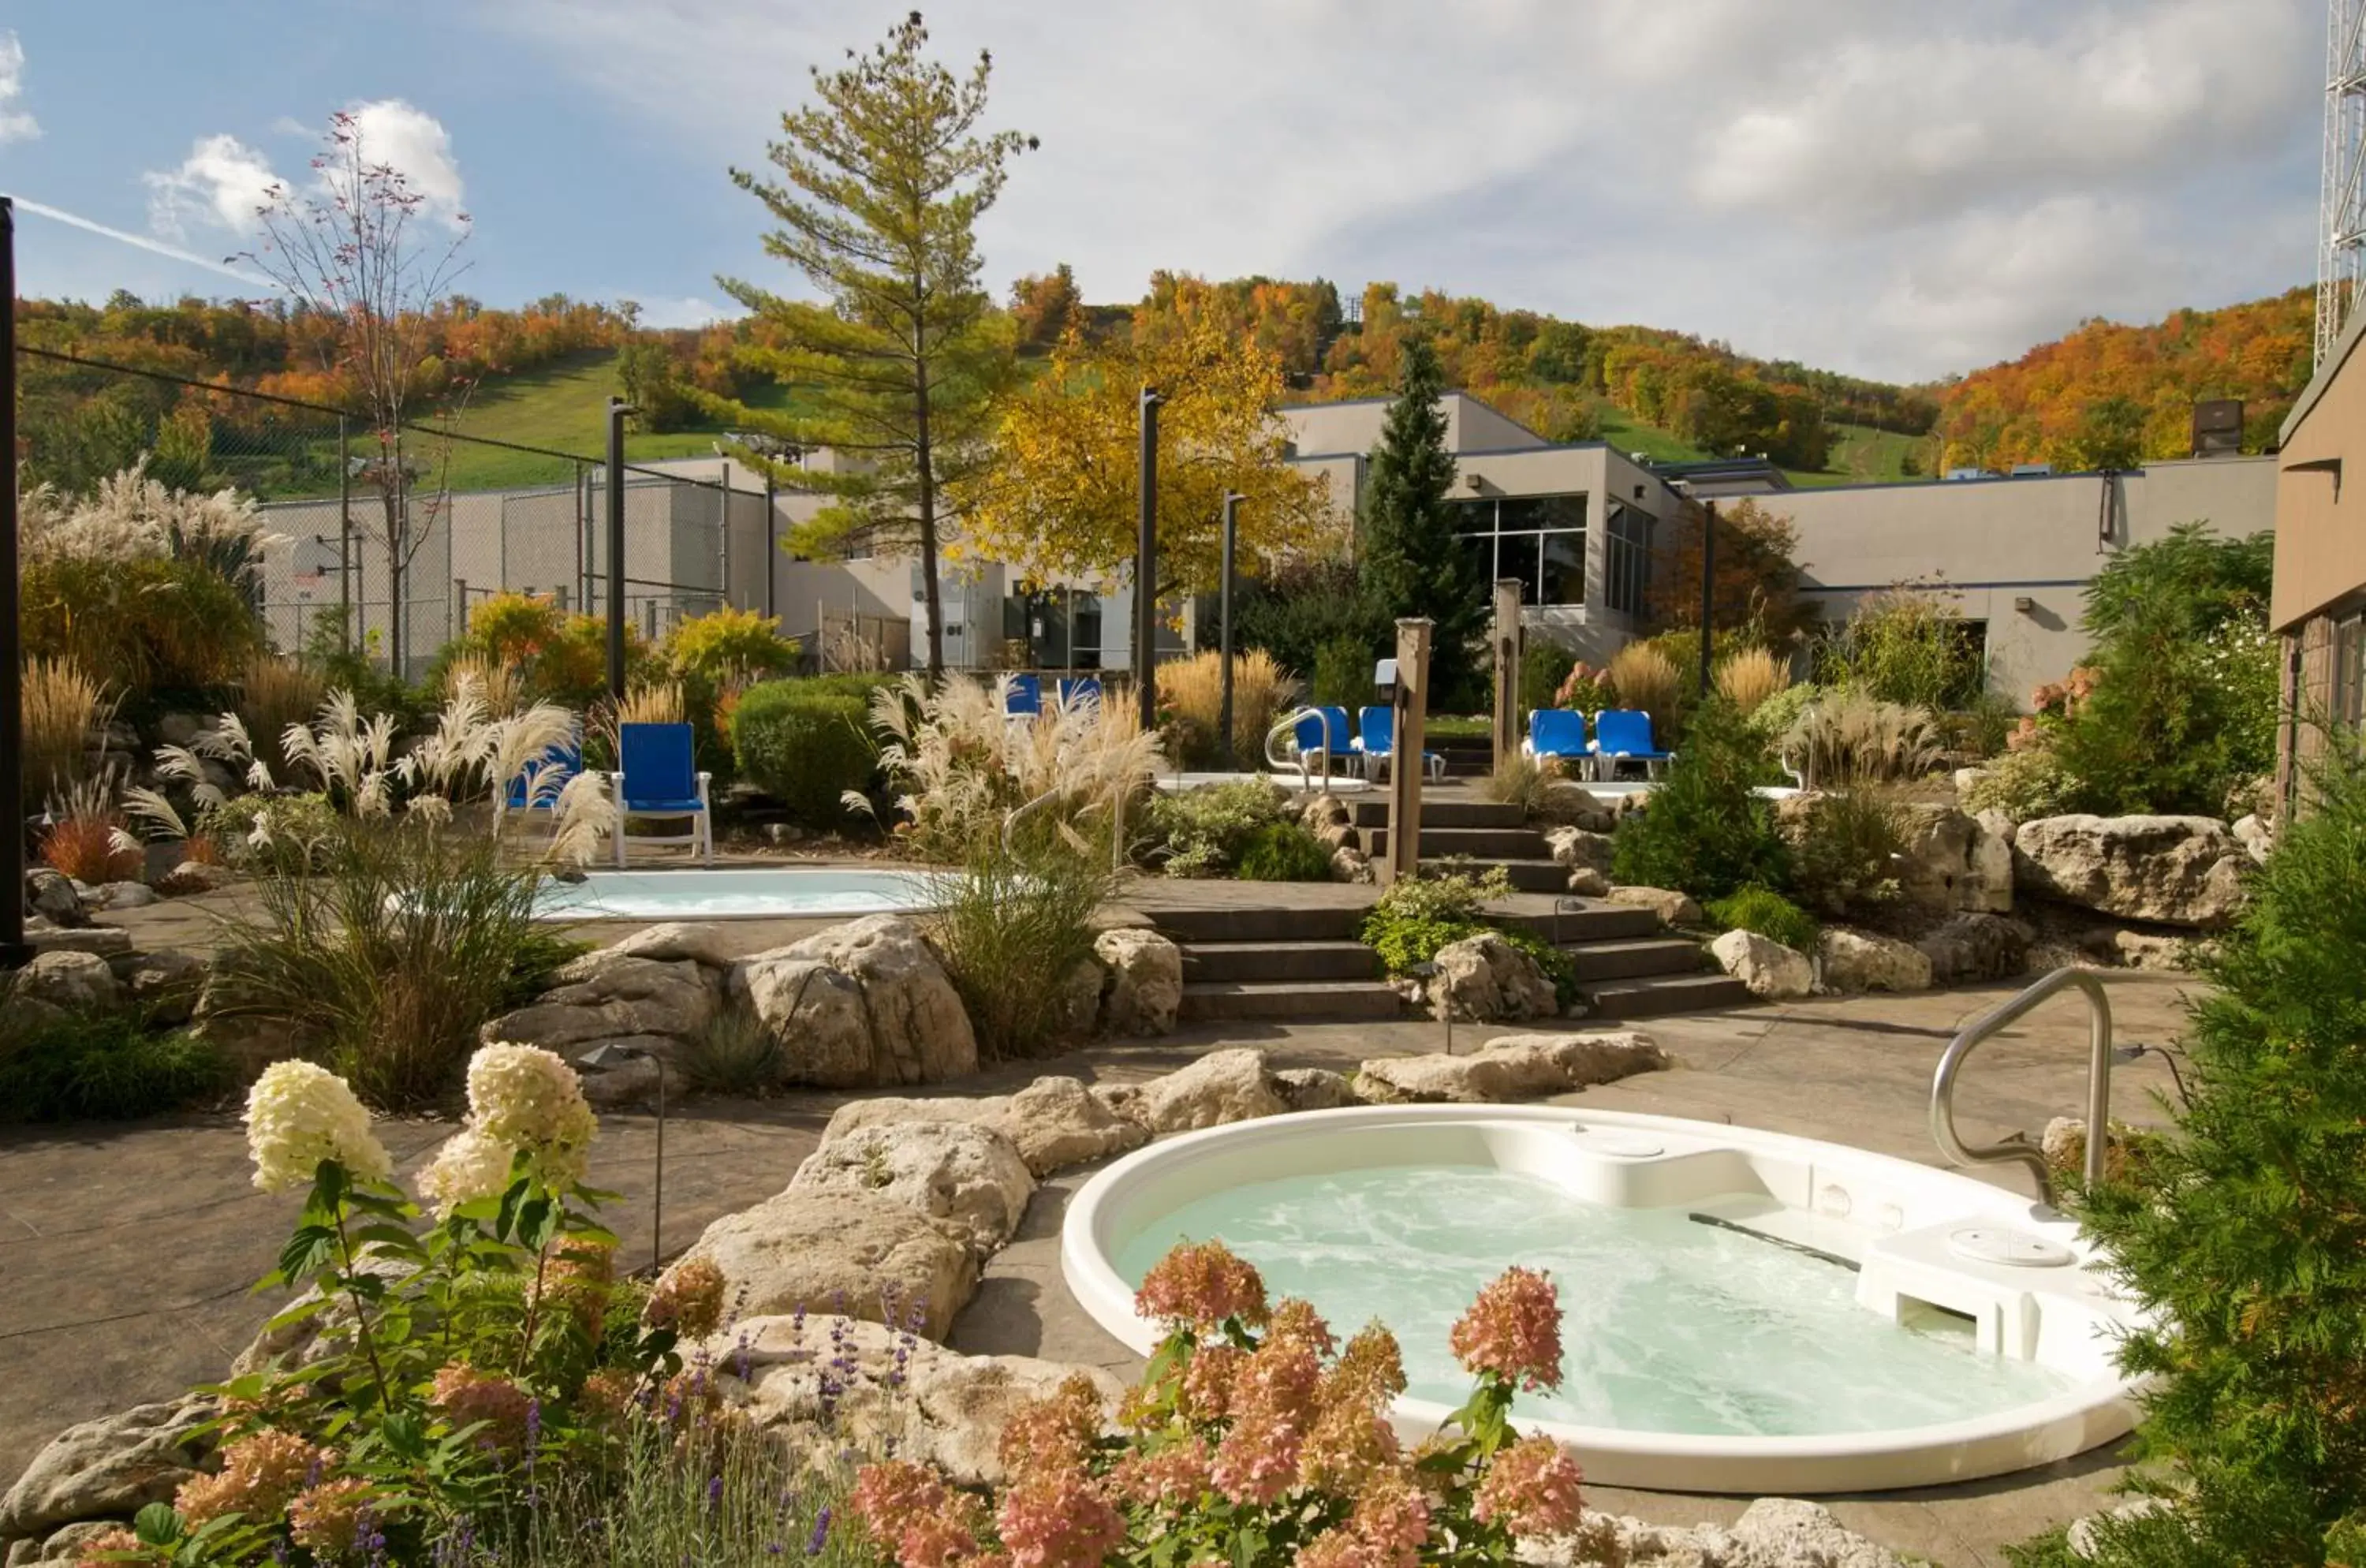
[[1215, 999], [1650, 995]]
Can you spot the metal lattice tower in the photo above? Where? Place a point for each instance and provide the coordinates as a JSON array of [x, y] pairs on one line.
[[2341, 216]]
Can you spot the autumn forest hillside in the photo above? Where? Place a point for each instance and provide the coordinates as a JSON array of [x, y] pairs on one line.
[[2104, 395]]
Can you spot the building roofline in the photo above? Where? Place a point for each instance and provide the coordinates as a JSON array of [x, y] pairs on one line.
[[1449, 392], [2343, 347]]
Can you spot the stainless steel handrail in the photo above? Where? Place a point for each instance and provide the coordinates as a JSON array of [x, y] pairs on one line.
[[2017, 1149], [1287, 723], [1010, 823]]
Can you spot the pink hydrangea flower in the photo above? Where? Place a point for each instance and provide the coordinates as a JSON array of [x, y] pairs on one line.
[[1058, 1521], [1347, 1444], [1531, 1489], [1200, 1286], [1257, 1461], [1054, 1432], [1174, 1476], [909, 1511], [1298, 1322], [495, 1405], [1209, 1381], [1278, 1379], [1391, 1518], [1512, 1330]]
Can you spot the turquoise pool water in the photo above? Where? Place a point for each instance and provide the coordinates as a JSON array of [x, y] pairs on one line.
[[705, 895], [1667, 1325]]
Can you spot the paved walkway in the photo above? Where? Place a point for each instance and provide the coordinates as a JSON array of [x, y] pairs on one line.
[[126, 1251]]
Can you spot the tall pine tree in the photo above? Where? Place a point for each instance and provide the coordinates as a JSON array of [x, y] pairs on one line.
[[1410, 562], [896, 365]]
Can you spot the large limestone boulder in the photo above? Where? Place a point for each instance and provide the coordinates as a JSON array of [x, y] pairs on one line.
[[1989, 890], [970, 1177], [1220, 1087], [671, 941], [1314, 1089], [1860, 960], [51, 896], [1574, 804], [2179, 871], [1772, 972], [2255, 835], [882, 1390], [1783, 1532], [1055, 1123], [105, 942], [78, 982], [1581, 847], [1673, 908], [1953, 861], [1486, 979], [863, 1004], [1976, 947], [1145, 981], [108, 1469], [607, 994], [860, 1254], [1512, 1066], [167, 984]]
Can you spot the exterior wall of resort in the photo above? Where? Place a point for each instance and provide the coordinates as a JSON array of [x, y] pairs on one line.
[[2319, 607]]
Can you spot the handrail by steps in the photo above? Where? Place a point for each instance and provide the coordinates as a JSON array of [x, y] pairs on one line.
[[1117, 822], [1288, 722], [2017, 1149]]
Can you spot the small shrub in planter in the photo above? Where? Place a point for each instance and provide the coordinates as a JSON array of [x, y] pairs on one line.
[[804, 749], [1769, 914], [1284, 851]]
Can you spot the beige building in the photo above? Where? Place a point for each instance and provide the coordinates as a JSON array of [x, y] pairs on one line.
[[2016, 554], [2319, 607]]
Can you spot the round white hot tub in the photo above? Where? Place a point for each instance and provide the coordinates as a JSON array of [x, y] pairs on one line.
[[1742, 1311]]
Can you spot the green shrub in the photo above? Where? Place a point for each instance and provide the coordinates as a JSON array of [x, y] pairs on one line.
[[102, 1067], [259, 832], [1845, 857], [1905, 646], [1012, 928], [1299, 607], [2172, 724], [2021, 785], [1544, 665], [1284, 851], [146, 626], [1773, 719], [1205, 832], [1767, 913], [385, 959], [1417, 915], [1343, 675], [1705, 832], [736, 1053], [804, 749], [2239, 1238]]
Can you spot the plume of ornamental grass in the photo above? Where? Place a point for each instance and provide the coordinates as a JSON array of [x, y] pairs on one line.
[[498, 683], [654, 702], [1852, 738], [583, 814], [1644, 678], [350, 757], [62, 704], [227, 744], [1749, 677], [274, 693], [1192, 691], [85, 839]]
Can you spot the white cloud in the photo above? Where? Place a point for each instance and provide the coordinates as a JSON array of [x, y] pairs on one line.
[[409, 139], [220, 183], [685, 310], [15, 125], [1898, 191]]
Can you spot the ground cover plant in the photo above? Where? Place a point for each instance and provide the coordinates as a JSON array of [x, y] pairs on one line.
[[1768, 914], [1205, 831], [1416, 915]]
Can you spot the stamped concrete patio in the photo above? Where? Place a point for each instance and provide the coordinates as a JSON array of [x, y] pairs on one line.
[[126, 1251]]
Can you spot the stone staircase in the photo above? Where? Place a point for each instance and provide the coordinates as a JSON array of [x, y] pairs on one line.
[[1279, 962]]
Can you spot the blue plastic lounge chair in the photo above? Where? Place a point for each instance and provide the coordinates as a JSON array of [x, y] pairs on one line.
[[1076, 689], [1022, 697], [658, 776], [1377, 743], [1557, 735], [1623, 735], [537, 789], [1322, 730]]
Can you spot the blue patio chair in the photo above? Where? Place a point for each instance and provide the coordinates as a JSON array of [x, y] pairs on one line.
[[658, 776], [537, 788], [1623, 735], [1557, 735], [1376, 744], [1076, 689], [1322, 730], [1023, 696]]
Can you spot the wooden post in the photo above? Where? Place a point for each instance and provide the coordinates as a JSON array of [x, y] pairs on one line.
[[1510, 647], [1405, 762]]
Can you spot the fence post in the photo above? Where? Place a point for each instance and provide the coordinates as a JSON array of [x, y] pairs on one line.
[[1405, 759], [1509, 650], [14, 952]]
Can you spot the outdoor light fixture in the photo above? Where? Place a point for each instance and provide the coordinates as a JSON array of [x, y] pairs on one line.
[[2025, 604], [605, 1055]]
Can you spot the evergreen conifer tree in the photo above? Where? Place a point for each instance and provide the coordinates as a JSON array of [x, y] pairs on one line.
[[1410, 562]]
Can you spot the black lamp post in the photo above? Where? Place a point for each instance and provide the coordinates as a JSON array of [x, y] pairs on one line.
[[1708, 587], [14, 952], [1232, 499], [1145, 569], [618, 409], [603, 1057]]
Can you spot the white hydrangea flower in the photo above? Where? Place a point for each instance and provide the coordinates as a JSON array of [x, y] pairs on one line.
[[300, 1113], [468, 1167], [528, 1099]]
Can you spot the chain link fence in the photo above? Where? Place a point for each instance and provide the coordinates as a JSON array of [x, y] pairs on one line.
[[390, 544]]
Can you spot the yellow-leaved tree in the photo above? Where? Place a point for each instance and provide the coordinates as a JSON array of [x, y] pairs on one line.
[[1059, 497]]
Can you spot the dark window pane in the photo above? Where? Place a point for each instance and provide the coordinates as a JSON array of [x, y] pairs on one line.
[[1480, 548], [1515, 555], [1474, 516], [1564, 568]]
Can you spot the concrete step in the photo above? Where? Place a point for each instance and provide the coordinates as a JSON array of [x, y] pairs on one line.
[[1259, 923], [1634, 957], [1259, 961], [1527, 875], [1653, 995], [1585, 920], [1215, 999], [1480, 843], [1371, 813]]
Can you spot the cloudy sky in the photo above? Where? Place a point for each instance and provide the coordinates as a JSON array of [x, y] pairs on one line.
[[1895, 189]]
